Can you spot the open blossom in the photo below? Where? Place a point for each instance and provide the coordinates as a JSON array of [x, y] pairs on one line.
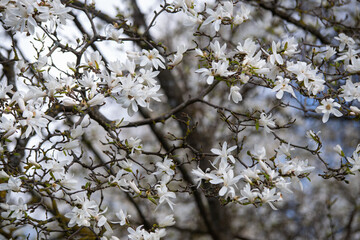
[[5, 89], [313, 81], [355, 160], [327, 107], [266, 121], [140, 233], [275, 57], [345, 41], [112, 32], [228, 180], [354, 67], [268, 196], [218, 51], [34, 119], [94, 60], [165, 167], [14, 210], [178, 56], [217, 69], [166, 221], [281, 86], [13, 184], [152, 58], [250, 174], [214, 18], [285, 149], [350, 91], [7, 126], [249, 194], [123, 216], [224, 153], [201, 175], [134, 144], [165, 195], [249, 47]]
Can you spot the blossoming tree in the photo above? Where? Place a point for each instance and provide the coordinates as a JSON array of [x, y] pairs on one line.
[[191, 120]]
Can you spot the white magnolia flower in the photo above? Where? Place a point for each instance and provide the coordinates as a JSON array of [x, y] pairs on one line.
[[201, 175], [152, 58], [327, 107], [285, 149], [224, 153], [13, 184], [218, 51], [14, 210], [249, 194], [5, 89], [217, 69], [123, 216], [269, 196], [275, 57], [281, 86], [235, 94], [267, 122], [355, 160], [166, 221], [250, 174], [113, 33], [165, 167], [165, 195], [345, 41], [228, 180]]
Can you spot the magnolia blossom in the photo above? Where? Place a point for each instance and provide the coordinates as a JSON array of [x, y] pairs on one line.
[[201, 175], [166, 221], [229, 179], [350, 91], [218, 51], [345, 41], [16, 211], [178, 56], [165, 167], [5, 89], [13, 184], [249, 194], [217, 69], [285, 149], [112, 32], [123, 216], [355, 160], [140, 233], [266, 121], [281, 86], [134, 144], [327, 107], [354, 67], [250, 174], [235, 94], [152, 58], [165, 195], [223, 154], [275, 57], [268, 196]]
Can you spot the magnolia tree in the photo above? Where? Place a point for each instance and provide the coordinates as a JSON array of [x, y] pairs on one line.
[[179, 119]]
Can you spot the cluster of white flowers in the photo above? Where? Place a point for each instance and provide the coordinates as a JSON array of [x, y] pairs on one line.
[[247, 62], [261, 186], [88, 212], [26, 15]]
